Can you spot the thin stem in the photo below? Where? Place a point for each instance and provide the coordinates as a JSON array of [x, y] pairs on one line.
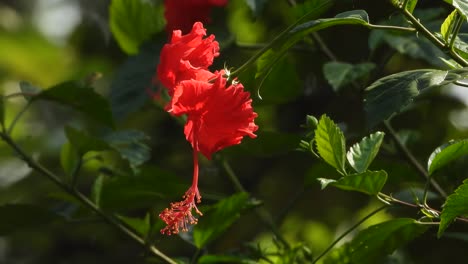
[[428, 34], [458, 25], [348, 231], [263, 214], [17, 118], [412, 160], [80, 197]]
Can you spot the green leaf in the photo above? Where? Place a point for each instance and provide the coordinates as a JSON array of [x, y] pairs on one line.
[[134, 21], [218, 218], [330, 143], [142, 226], [411, 5], [392, 93], [455, 205], [256, 6], [446, 153], [214, 259], [96, 190], [131, 146], [80, 98], [281, 85], [297, 32], [29, 90], [361, 154], [448, 24], [460, 5], [131, 85], [369, 182], [2, 112], [141, 191], [83, 142], [69, 158], [374, 243], [339, 74], [18, 217]]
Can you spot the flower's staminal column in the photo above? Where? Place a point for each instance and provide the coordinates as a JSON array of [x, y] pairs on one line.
[[179, 217]]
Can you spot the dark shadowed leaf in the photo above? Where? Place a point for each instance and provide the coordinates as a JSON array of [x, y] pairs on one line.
[[330, 143], [142, 226], [298, 31], [81, 98], [218, 218], [256, 6], [143, 190], [29, 90], [374, 243], [18, 217], [369, 182], [131, 145], [83, 142], [131, 86], [447, 153], [134, 21], [340, 74], [455, 205], [361, 154]]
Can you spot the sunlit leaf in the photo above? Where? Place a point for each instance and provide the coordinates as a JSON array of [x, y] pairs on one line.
[[392, 93], [134, 21], [460, 5], [447, 153], [448, 24], [218, 218], [81, 98], [361, 154], [411, 5], [455, 205], [18, 217], [374, 243], [339, 74], [369, 182], [330, 143], [214, 259]]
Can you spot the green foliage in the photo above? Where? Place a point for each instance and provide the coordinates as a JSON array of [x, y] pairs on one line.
[[341, 74], [455, 205], [213, 259], [460, 5], [134, 21], [218, 218], [284, 42], [411, 5], [131, 145], [392, 93], [69, 158], [369, 182], [447, 26], [330, 143], [132, 84], [81, 98], [377, 241], [19, 217], [446, 153], [361, 154]]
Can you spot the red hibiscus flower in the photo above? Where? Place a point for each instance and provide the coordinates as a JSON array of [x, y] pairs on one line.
[[181, 14], [187, 57], [217, 117]]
